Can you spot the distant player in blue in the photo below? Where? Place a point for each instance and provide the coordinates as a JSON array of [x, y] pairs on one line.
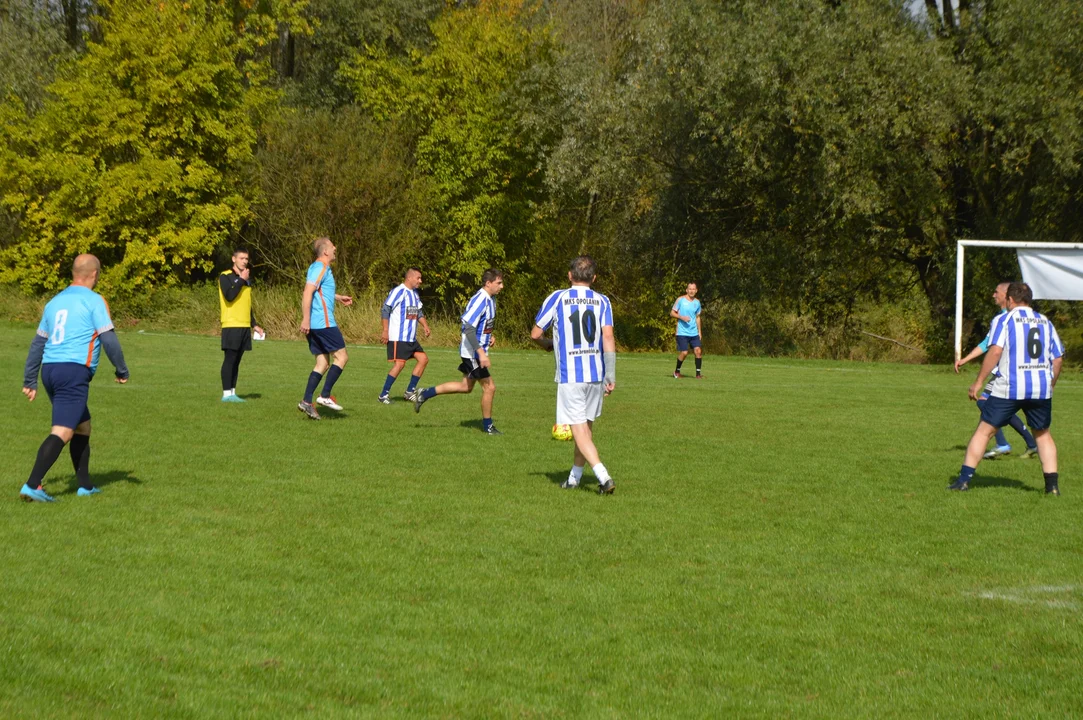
[[1027, 354], [1000, 297], [73, 330], [401, 314], [586, 363], [687, 312], [325, 340], [477, 338]]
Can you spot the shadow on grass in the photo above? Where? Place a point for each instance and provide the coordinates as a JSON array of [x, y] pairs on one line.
[[250, 396], [100, 480], [560, 476], [473, 425], [984, 482]]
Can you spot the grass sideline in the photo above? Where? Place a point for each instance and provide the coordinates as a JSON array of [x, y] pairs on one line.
[[780, 542]]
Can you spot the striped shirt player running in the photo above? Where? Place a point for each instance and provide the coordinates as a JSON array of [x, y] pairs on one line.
[[586, 359], [74, 328], [1027, 354], [325, 340], [477, 339], [401, 314]]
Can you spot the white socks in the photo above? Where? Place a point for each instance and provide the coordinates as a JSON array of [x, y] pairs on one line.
[[601, 473], [575, 475], [227, 393]]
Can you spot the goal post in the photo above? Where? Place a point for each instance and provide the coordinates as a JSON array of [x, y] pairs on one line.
[[1069, 287]]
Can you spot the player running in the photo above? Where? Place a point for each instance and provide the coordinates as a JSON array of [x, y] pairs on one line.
[[318, 323], [586, 360], [74, 328], [1000, 297], [401, 315], [689, 331], [477, 338], [1027, 353]]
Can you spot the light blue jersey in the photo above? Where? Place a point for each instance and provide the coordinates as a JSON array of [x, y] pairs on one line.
[[322, 313], [984, 344], [71, 324], [690, 309]]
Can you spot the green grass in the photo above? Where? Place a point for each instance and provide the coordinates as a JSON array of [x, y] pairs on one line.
[[780, 542]]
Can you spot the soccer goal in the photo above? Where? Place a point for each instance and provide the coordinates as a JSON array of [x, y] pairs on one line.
[[1054, 271]]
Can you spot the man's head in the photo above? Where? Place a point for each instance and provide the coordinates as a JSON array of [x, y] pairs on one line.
[[691, 290], [493, 281], [582, 270], [1019, 294], [325, 249], [240, 259], [1000, 294], [412, 279], [85, 270]]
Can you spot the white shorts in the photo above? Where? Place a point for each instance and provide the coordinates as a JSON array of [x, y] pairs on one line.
[[579, 402]]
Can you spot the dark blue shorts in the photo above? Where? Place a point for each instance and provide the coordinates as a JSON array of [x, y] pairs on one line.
[[687, 341], [68, 386], [998, 411], [325, 341]]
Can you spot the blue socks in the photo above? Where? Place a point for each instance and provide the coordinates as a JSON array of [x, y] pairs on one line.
[[428, 393], [332, 378], [388, 382], [1020, 428], [313, 381], [966, 473], [413, 383], [486, 423], [1000, 439]]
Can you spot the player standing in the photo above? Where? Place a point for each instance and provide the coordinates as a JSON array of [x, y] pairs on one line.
[[401, 314], [74, 327], [238, 321], [477, 337], [586, 360], [318, 323], [1027, 353], [687, 312], [1000, 297]]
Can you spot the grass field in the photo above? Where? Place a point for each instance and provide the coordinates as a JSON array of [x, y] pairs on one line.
[[780, 543]]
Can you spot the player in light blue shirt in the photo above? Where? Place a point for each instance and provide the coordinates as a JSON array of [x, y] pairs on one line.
[[1001, 447], [325, 340], [477, 338], [74, 328], [687, 312]]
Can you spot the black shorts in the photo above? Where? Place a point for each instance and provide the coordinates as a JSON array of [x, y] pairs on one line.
[[686, 341], [68, 386], [237, 339], [401, 350], [325, 341], [998, 411], [470, 368]]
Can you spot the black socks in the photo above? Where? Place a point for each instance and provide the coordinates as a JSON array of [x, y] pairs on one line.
[[47, 455], [79, 447]]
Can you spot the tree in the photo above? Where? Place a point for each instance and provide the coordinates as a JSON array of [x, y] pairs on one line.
[[136, 154]]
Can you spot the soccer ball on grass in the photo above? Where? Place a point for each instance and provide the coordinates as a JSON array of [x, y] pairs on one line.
[[562, 432]]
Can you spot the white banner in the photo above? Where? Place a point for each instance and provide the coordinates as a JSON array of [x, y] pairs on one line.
[[1053, 274]]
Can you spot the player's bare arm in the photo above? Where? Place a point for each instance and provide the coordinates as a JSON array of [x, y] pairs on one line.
[[30, 394], [344, 299], [674, 314], [425, 326], [1057, 362], [385, 334], [538, 336], [991, 359], [306, 308], [483, 358], [970, 356], [609, 352]]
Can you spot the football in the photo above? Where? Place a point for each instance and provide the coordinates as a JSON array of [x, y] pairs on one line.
[[562, 432]]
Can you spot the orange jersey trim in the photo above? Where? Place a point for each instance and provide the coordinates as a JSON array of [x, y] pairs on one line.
[[323, 301], [90, 349]]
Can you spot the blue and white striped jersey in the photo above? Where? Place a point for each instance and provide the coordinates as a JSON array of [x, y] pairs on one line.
[[481, 313], [71, 324], [577, 316], [1030, 343], [405, 305]]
